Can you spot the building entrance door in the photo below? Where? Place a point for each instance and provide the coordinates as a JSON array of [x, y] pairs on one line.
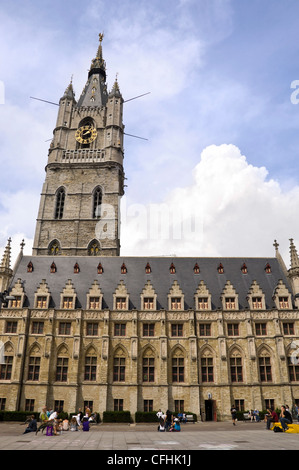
[[210, 410]]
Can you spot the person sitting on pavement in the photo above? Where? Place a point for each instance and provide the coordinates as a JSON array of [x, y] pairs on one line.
[[74, 424], [65, 425], [161, 427], [32, 425], [177, 426]]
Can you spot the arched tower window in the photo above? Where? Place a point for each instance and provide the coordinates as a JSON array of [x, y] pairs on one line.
[[60, 199], [97, 202], [54, 248], [94, 248]]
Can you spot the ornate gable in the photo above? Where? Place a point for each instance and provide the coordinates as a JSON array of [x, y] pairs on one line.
[[282, 297], [256, 297], [148, 297], [94, 297], [42, 295], [202, 297], [19, 295], [175, 297], [229, 297], [121, 297], [68, 296]]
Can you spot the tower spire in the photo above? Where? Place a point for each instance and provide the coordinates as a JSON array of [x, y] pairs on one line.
[[115, 89], [5, 269], [294, 255], [95, 90], [5, 263], [69, 92]]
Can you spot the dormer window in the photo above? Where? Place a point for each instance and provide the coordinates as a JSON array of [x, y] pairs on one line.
[[123, 269], [230, 303], [148, 303], [172, 269], [244, 269], [283, 302], [121, 303], [220, 269], [196, 269], [100, 269], [94, 303], [41, 301], [268, 268], [76, 269], [203, 303], [176, 303], [68, 303], [30, 267], [148, 269], [16, 302], [53, 268], [257, 303]]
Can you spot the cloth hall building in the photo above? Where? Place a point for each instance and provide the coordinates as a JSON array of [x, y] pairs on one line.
[[81, 324]]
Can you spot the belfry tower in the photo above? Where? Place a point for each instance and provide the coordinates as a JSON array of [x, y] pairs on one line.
[[79, 205]]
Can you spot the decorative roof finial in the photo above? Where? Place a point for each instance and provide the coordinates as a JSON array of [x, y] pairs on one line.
[[5, 263], [294, 255], [101, 37]]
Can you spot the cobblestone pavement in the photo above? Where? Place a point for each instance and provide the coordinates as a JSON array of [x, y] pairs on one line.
[[142, 437]]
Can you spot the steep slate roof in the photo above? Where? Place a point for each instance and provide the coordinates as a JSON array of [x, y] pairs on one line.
[[160, 277]]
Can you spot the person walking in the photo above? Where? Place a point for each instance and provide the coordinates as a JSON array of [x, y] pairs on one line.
[[234, 414]]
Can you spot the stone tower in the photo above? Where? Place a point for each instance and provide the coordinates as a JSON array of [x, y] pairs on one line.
[[79, 205]]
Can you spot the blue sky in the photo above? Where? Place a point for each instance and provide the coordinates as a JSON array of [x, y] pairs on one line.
[[219, 73]]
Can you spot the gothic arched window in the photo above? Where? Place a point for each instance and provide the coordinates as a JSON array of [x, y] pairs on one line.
[[265, 368], [207, 367], [54, 248], [97, 202], [119, 366], [60, 198], [94, 248], [178, 366], [148, 367], [236, 367]]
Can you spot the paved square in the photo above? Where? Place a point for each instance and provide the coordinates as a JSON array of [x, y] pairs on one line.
[[144, 437]]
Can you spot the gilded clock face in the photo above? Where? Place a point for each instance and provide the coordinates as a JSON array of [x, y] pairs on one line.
[[86, 134]]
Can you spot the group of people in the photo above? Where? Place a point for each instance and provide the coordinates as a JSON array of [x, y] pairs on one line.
[[254, 415], [49, 419], [168, 422], [284, 418]]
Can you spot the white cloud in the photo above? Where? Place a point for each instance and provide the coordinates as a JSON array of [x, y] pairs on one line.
[[230, 209]]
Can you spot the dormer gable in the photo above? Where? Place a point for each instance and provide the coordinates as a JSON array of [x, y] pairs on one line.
[[175, 297], [229, 297], [256, 297]]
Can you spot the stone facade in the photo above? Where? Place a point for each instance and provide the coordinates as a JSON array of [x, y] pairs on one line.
[[118, 338], [83, 325]]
